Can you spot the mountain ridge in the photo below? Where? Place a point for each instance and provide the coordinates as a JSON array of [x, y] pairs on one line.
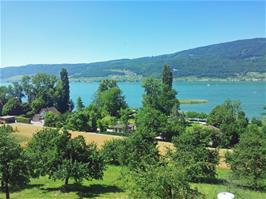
[[227, 59]]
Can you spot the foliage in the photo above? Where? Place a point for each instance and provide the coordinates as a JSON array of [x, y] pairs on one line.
[[79, 121], [115, 151], [79, 104], [151, 119], [192, 155], [159, 95], [22, 119], [15, 168], [105, 122], [107, 84], [164, 181], [37, 104], [16, 91], [230, 119], [61, 157], [208, 135], [111, 101], [63, 103], [12, 107], [141, 149], [191, 114], [167, 77], [256, 121], [248, 159], [173, 127]]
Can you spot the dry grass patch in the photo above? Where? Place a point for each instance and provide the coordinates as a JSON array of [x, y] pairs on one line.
[[24, 133]]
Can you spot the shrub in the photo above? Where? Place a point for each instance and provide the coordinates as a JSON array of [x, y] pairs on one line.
[[23, 119]]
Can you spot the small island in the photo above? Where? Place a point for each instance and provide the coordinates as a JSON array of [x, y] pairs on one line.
[[193, 101]]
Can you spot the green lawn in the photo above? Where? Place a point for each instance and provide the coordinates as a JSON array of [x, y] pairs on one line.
[[111, 187]]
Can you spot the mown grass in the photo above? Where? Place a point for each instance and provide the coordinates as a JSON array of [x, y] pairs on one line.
[[44, 188], [111, 186]]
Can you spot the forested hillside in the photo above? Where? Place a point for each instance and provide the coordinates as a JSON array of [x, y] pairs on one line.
[[219, 60]]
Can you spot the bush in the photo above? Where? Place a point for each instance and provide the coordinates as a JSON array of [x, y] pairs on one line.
[[23, 119]]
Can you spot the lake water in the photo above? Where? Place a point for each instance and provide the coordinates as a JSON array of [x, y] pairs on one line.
[[251, 94]]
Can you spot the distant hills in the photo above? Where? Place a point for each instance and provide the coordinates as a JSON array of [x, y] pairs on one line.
[[230, 59]]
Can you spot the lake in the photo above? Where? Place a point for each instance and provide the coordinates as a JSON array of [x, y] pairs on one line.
[[251, 94]]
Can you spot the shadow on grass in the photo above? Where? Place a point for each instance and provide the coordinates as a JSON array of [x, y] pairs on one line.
[[28, 186], [86, 191], [214, 181]]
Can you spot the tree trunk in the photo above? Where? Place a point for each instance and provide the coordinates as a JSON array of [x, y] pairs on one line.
[[2, 185], [66, 180], [7, 190]]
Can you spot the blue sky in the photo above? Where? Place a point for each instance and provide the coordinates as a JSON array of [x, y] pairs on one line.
[[79, 32]]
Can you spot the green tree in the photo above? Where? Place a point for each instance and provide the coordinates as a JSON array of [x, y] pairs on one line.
[[37, 104], [16, 91], [230, 119], [115, 151], [159, 96], [12, 107], [79, 121], [61, 157], [167, 77], [151, 119], [164, 180], [4, 95], [111, 101], [64, 99], [141, 149], [27, 87], [248, 159], [79, 104], [14, 165], [125, 116], [107, 84], [192, 154], [44, 88], [152, 93]]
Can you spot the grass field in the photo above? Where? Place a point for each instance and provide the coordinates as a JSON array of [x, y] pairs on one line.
[[111, 186]]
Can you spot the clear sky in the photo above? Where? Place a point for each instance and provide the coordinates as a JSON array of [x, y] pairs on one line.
[[79, 32]]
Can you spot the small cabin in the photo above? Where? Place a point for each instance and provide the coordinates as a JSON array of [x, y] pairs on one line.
[[7, 119]]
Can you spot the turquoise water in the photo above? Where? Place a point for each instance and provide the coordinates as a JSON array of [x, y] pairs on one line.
[[251, 94]]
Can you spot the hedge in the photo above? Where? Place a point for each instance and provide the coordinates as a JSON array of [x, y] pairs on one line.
[[23, 119]]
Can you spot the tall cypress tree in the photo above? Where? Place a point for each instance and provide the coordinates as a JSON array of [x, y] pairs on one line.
[[168, 99], [167, 77], [64, 104]]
